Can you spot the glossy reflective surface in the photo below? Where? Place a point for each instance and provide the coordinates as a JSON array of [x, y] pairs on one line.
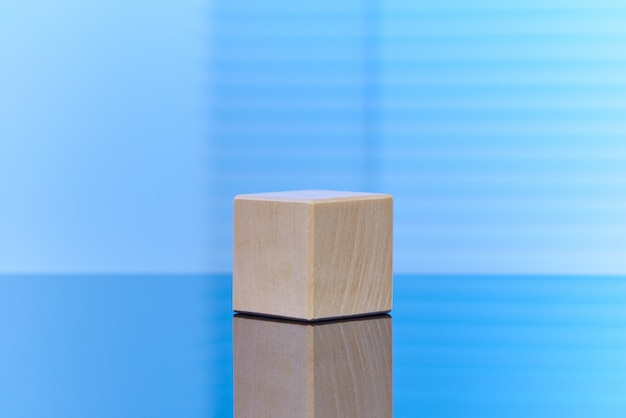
[[337, 368], [162, 346]]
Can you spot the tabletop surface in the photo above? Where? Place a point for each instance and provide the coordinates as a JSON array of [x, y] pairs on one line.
[[162, 346]]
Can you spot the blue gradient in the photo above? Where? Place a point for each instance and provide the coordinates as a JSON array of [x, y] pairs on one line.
[[498, 128], [519, 346], [463, 346], [127, 129], [104, 137], [291, 104], [115, 345], [503, 132]]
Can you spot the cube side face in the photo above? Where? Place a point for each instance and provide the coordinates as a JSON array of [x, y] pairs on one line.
[[352, 253], [271, 258]]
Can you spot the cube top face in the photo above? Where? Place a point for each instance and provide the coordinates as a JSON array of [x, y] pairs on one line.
[[310, 196], [313, 255]]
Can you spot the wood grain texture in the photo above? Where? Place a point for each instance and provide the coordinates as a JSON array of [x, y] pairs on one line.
[[313, 254], [352, 257], [271, 258], [329, 369]]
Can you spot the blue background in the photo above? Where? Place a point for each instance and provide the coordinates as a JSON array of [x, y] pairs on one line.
[[104, 140], [128, 127], [161, 346]]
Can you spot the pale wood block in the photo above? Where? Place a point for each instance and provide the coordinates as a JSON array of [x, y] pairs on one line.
[[315, 370], [313, 254]]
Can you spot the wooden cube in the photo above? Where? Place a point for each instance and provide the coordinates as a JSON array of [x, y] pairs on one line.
[[328, 369], [313, 254]]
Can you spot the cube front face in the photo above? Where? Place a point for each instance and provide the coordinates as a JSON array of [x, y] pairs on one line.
[[271, 258], [312, 254]]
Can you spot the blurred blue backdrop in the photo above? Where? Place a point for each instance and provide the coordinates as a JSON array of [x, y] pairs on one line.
[[104, 140], [127, 128]]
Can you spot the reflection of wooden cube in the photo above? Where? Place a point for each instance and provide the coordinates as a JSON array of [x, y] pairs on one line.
[[328, 369], [313, 254]]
